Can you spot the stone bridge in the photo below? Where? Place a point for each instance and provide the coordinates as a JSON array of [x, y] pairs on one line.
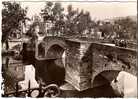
[[84, 60]]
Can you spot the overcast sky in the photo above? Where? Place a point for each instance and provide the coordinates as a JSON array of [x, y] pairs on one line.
[[98, 10]]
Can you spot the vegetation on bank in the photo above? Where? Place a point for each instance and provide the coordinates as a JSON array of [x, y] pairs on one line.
[[53, 21], [74, 22]]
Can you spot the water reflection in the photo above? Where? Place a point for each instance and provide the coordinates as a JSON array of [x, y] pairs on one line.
[[29, 76], [47, 72], [12, 72], [67, 90]]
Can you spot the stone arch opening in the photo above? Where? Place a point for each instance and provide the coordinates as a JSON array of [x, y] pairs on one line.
[[56, 69], [105, 77]]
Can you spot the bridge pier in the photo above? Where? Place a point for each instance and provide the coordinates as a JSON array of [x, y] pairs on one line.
[[78, 65]]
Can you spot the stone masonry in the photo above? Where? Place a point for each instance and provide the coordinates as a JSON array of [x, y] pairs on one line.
[[86, 59]]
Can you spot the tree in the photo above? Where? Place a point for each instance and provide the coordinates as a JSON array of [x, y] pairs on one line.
[[107, 29], [58, 19], [46, 13], [32, 29], [126, 28], [78, 23], [84, 23], [53, 12], [70, 24], [12, 17]]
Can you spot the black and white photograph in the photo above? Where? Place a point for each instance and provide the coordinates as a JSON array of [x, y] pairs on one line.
[[69, 49]]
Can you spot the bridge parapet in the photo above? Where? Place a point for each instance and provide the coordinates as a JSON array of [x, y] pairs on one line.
[[49, 38]]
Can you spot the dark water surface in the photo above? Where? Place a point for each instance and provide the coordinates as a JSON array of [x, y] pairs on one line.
[[102, 91], [48, 72]]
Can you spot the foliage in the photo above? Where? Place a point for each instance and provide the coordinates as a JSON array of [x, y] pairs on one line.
[[126, 28], [122, 28], [31, 31], [107, 29], [72, 23], [12, 17], [53, 12], [70, 26], [77, 22]]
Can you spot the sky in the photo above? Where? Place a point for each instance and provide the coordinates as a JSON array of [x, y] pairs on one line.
[[98, 10]]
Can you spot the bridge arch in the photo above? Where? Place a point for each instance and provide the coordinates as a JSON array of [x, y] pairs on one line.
[[104, 77], [56, 46], [56, 52], [44, 46], [109, 71], [52, 51]]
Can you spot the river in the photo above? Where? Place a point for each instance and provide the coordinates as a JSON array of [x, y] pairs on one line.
[[16, 71]]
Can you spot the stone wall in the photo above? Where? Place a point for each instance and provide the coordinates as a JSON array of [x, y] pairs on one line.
[[85, 60], [125, 59], [78, 65], [72, 64]]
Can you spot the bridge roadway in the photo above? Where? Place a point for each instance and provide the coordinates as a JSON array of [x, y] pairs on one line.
[[86, 59]]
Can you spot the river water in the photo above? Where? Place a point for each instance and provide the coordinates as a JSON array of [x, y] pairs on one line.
[[16, 71]]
